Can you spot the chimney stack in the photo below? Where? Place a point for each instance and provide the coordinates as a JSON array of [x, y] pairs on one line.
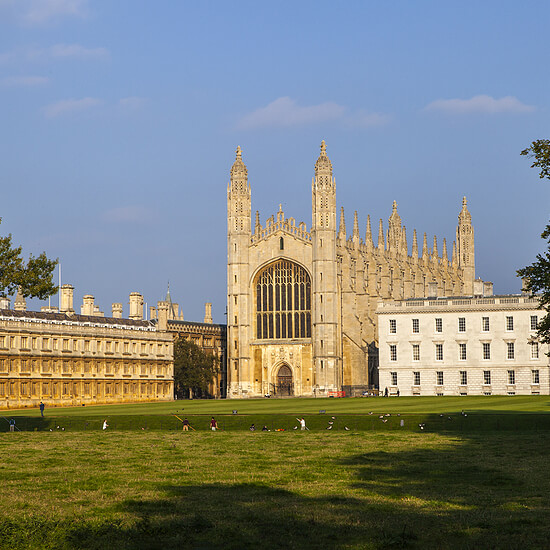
[[136, 306], [87, 307], [117, 310], [208, 313], [66, 299]]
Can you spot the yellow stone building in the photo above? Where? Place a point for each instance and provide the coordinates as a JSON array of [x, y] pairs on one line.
[[65, 358], [301, 305]]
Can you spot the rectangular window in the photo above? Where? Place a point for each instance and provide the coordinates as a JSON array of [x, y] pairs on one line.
[[393, 326], [416, 376], [34, 343], [439, 325], [54, 346], [393, 378], [65, 344], [393, 352], [462, 352], [509, 323], [535, 376], [416, 352], [510, 352], [24, 342], [486, 350], [463, 378], [485, 324], [416, 325], [439, 352], [2, 341], [462, 324], [534, 322], [534, 350], [439, 375], [511, 377], [487, 377]]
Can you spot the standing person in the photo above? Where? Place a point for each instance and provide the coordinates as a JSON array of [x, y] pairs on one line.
[[12, 424], [397, 392], [302, 422], [386, 392], [42, 406], [213, 424], [105, 425], [185, 425]]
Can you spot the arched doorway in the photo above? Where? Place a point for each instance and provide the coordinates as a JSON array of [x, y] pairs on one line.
[[285, 386]]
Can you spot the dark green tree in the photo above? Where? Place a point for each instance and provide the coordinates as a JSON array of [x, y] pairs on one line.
[[537, 275], [194, 369], [33, 277]]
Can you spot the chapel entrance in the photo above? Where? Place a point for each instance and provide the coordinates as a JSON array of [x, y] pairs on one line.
[[285, 386]]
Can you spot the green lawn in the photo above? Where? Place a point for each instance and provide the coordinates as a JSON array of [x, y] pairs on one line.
[[242, 490], [299, 406]]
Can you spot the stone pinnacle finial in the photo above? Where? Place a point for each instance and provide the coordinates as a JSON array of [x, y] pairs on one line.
[[368, 236], [464, 202], [239, 152], [381, 244], [394, 206], [342, 229], [355, 225], [323, 148]]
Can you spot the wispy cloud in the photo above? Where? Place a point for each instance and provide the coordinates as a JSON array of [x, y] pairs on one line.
[[131, 103], [68, 106], [76, 51], [15, 81], [128, 214], [38, 12], [480, 104], [285, 112]]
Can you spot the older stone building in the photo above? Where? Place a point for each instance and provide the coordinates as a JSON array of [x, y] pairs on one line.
[[301, 304], [65, 358]]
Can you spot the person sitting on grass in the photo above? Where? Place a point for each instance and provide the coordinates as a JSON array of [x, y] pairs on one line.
[[252, 428]]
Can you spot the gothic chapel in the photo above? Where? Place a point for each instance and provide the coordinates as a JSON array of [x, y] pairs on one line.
[[301, 304]]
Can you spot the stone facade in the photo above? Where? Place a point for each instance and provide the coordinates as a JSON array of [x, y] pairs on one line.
[[62, 358], [301, 305], [479, 345]]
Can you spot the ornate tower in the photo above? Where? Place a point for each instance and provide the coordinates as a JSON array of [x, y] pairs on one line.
[[326, 322], [238, 241], [465, 248]]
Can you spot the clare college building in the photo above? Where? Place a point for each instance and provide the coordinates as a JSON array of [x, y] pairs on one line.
[[301, 303]]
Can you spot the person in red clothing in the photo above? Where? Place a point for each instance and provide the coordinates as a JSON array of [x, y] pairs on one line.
[[213, 424]]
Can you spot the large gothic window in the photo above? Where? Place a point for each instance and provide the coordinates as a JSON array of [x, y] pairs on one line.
[[283, 302]]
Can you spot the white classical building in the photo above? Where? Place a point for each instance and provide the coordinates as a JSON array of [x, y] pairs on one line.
[[480, 345]]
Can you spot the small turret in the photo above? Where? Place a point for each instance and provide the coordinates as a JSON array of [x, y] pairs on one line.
[[342, 228], [368, 235]]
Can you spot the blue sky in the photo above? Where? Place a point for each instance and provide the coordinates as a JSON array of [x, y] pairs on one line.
[[119, 122]]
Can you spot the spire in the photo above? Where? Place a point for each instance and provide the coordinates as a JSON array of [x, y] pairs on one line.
[[342, 229], [257, 226], [355, 226], [425, 252], [239, 170], [20, 303], [435, 254], [381, 236], [464, 216], [323, 168], [453, 259], [368, 235], [444, 254], [415, 246], [404, 244]]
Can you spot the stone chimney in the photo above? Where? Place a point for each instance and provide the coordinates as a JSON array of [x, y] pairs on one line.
[[208, 313], [162, 308], [116, 308], [487, 288], [66, 299], [152, 312], [136, 306], [432, 289], [478, 287], [4, 303], [87, 307]]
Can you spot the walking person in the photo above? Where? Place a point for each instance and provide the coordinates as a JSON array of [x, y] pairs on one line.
[[213, 424], [42, 406], [105, 425], [302, 422]]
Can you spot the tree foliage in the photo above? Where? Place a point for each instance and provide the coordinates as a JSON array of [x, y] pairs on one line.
[[537, 275], [540, 151], [194, 369], [33, 277]]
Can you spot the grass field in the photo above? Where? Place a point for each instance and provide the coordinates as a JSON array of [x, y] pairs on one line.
[[144, 490]]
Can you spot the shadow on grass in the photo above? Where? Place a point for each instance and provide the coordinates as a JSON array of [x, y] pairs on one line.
[[486, 492]]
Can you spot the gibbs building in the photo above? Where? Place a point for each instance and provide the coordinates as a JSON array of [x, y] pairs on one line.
[[301, 304]]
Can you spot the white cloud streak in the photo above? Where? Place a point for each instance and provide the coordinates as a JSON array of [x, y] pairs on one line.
[[76, 51], [39, 12], [24, 81], [131, 103], [480, 104], [285, 112], [69, 106]]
